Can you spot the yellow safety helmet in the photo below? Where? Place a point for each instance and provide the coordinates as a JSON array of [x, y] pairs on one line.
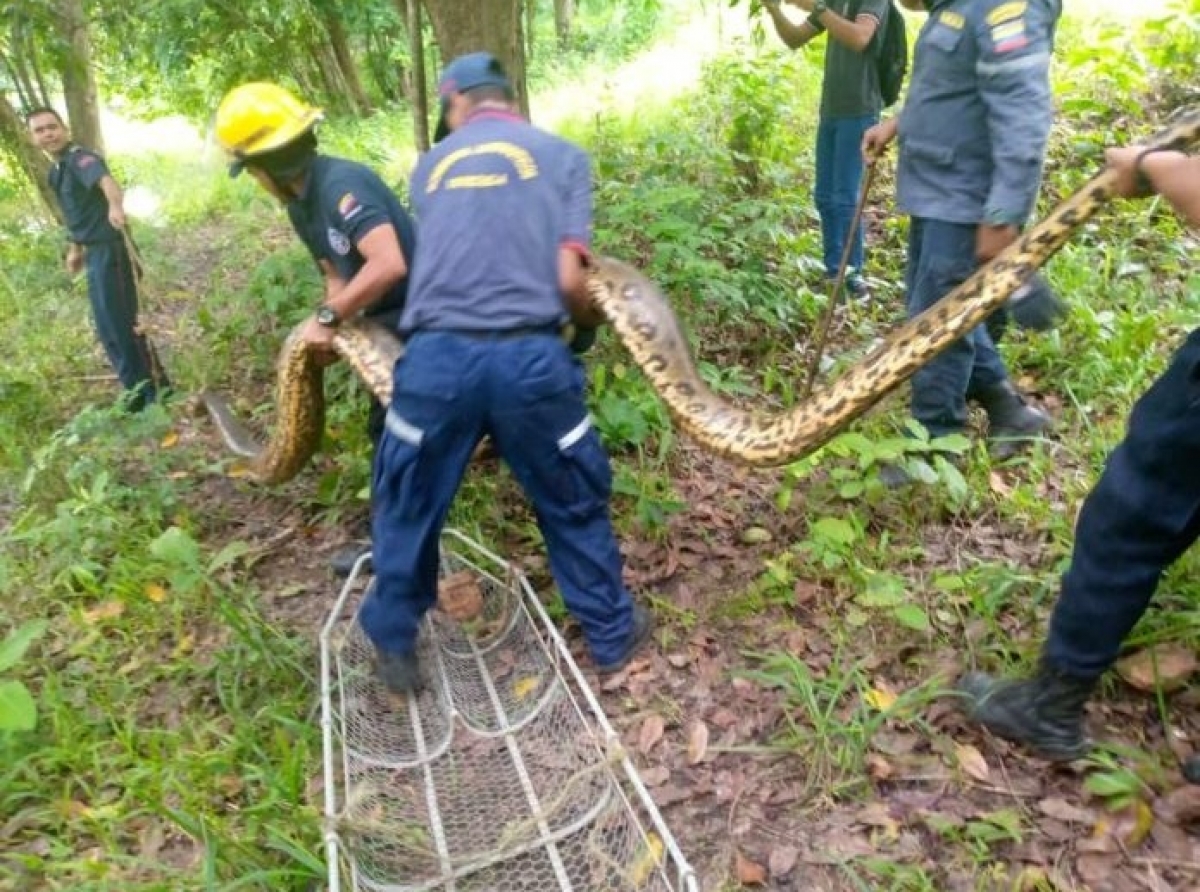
[[260, 117]]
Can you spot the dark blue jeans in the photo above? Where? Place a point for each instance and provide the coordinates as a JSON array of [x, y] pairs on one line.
[[1143, 513], [839, 178], [112, 292], [527, 393], [941, 256]]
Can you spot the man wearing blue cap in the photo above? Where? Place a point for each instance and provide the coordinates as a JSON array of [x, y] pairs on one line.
[[505, 215]]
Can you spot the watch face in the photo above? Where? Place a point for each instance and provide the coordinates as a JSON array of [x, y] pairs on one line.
[[328, 317]]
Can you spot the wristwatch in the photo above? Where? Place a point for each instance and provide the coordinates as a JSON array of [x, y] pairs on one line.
[[328, 317], [814, 17]]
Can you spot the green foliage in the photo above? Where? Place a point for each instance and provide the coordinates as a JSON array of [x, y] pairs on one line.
[[18, 711]]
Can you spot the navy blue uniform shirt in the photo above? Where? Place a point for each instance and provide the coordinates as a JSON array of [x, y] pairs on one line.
[[495, 201], [75, 179], [341, 202]]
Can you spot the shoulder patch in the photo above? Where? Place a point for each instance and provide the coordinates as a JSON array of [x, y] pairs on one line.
[[338, 241], [348, 206], [1006, 11], [82, 159], [952, 19]]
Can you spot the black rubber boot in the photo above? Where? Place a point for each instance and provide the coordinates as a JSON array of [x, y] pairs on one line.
[[1011, 421], [643, 625], [400, 673], [1045, 713], [343, 560]]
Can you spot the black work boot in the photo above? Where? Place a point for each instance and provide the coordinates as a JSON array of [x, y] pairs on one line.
[[1045, 713], [400, 673], [639, 634], [343, 560], [1011, 421]]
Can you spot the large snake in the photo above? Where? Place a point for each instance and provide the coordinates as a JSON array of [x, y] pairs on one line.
[[643, 320]]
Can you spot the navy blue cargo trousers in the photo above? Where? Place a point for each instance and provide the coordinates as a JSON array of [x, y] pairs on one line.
[[941, 256], [1143, 513], [526, 391], [112, 292]]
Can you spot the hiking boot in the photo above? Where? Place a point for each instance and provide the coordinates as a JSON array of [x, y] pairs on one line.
[[343, 560], [1035, 306], [1191, 769], [1045, 713], [1011, 421], [400, 673], [643, 625]]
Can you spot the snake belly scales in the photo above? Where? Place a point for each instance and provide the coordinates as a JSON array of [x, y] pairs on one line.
[[644, 322]]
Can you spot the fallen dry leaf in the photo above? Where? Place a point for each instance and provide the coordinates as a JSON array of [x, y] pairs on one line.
[[459, 596], [1120, 831], [748, 873], [651, 733], [107, 610], [648, 858], [878, 767], [999, 485], [523, 687], [697, 742], [881, 697], [1164, 665], [1061, 810], [782, 860], [971, 761], [1181, 806]]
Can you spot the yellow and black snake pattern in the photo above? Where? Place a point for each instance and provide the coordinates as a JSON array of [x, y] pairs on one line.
[[644, 322]]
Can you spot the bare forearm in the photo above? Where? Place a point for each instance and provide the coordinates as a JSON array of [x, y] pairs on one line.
[[1176, 177], [112, 192], [368, 285], [853, 33], [792, 34]]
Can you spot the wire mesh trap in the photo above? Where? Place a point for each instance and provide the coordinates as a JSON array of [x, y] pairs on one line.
[[502, 774]]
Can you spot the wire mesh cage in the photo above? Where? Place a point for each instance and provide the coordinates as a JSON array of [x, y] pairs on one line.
[[503, 773]]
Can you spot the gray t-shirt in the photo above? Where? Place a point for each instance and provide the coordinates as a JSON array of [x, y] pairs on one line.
[[494, 202], [851, 85]]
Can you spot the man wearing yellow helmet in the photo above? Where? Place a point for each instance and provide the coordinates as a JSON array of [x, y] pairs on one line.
[[359, 234]]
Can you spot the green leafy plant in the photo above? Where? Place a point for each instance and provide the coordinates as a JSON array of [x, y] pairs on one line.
[[18, 711]]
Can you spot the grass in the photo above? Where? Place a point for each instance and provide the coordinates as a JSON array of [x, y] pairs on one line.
[[177, 746]]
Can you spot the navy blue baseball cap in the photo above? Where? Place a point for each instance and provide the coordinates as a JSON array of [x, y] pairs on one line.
[[466, 73]]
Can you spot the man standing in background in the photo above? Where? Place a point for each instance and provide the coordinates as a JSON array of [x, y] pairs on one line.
[[972, 137], [92, 206], [850, 104]]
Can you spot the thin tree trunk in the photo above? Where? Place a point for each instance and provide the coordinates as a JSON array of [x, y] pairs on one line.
[[564, 15], [530, 19], [14, 136], [465, 26], [345, 61], [79, 84], [419, 94]]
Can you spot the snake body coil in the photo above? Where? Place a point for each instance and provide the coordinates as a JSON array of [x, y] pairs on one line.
[[643, 320]]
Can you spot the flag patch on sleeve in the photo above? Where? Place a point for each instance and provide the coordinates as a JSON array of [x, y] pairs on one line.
[[348, 206]]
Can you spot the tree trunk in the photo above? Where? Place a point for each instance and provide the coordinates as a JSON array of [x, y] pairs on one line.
[[466, 26], [345, 61], [564, 15], [79, 83], [419, 93], [14, 137]]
